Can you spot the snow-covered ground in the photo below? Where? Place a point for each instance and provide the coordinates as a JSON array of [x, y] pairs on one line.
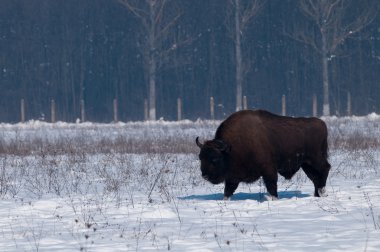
[[78, 187]]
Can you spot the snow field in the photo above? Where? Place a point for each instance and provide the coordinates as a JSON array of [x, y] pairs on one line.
[[78, 187]]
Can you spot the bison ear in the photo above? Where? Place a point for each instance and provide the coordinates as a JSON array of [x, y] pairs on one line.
[[227, 148], [223, 146], [198, 143]]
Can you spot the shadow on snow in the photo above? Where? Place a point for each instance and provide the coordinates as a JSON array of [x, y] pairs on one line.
[[260, 197]]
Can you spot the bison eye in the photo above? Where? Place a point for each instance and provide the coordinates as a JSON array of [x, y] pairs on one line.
[[215, 160]]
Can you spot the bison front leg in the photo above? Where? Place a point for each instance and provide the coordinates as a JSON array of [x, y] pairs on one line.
[[319, 177], [271, 185], [229, 189]]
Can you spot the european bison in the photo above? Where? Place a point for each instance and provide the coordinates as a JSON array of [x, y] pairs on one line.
[[250, 144]]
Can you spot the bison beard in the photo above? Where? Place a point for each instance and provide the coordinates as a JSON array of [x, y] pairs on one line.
[[253, 144]]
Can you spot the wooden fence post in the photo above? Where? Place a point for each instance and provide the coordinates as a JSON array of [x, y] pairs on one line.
[[245, 104], [315, 111], [179, 109], [212, 108], [283, 102], [115, 114], [146, 110], [349, 111], [22, 107], [52, 111], [82, 111]]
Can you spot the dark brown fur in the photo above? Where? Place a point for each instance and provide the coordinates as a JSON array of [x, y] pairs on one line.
[[253, 144]]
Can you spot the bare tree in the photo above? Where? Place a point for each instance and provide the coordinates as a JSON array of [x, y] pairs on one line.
[[335, 24], [158, 21], [238, 19]]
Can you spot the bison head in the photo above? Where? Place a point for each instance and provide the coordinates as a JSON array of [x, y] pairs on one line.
[[213, 156]]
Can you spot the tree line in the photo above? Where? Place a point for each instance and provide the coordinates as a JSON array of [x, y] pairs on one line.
[[149, 53]]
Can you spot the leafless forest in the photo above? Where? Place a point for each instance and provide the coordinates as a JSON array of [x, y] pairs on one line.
[[152, 52]]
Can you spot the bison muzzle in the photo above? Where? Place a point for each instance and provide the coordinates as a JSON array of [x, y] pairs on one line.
[[253, 144]]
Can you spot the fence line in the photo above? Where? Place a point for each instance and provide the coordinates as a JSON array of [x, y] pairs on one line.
[[53, 109]]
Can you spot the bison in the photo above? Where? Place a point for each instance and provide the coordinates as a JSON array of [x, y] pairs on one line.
[[252, 144]]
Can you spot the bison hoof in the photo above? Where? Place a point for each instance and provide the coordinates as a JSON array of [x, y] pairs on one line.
[[322, 192], [271, 197]]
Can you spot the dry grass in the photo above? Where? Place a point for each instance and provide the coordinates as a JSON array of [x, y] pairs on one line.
[[157, 138]]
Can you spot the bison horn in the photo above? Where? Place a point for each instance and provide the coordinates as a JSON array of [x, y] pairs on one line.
[[198, 143]]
